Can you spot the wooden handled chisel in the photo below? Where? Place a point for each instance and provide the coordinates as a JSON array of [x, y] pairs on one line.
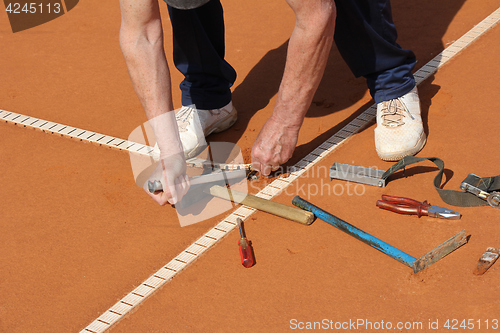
[[288, 212]]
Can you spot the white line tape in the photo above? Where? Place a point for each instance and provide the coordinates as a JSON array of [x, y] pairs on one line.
[[73, 132], [200, 246]]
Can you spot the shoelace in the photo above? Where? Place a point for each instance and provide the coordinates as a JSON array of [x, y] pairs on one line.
[[393, 113], [182, 117]]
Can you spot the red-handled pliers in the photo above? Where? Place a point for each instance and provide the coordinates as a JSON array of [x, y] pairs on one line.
[[409, 206]]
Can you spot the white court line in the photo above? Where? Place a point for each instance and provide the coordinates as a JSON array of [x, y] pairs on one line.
[[74, 133], [200, 246]]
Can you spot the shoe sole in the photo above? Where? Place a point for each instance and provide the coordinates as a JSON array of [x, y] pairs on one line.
[[396, 156]]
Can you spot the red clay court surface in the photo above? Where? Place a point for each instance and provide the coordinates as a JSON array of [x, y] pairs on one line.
[[77, 234]]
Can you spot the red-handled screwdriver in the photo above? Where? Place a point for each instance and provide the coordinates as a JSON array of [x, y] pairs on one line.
[[246, 253]]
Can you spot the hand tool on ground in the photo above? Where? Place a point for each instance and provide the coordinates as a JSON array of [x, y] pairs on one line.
[[487, 260], [478, 186], [213, 188], [376, 177], [195, 162], [409, 206], [215, 176], [416, 264], [246, 251]]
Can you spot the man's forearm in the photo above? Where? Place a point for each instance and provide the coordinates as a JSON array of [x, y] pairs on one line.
[[148, 69], [150, 76], [308, 51]]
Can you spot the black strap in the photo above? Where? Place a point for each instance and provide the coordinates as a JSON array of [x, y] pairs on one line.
[[488, 184], [451, 197]]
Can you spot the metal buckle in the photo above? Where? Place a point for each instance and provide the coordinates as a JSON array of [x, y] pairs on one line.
[[470, 185]]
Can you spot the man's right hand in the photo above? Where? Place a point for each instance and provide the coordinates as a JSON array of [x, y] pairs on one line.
[[171, 172]]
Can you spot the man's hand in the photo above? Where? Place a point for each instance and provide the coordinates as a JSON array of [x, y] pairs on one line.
[[171, 172], [274, 146]]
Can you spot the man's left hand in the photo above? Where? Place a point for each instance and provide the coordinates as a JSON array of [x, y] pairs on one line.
[[274, 146]]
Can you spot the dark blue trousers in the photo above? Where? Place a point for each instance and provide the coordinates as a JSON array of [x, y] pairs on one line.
[[365, 36]]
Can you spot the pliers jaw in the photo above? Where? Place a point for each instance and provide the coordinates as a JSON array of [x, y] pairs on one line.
[[443, 213]]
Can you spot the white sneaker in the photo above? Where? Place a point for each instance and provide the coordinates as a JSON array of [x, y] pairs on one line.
[[195, 125], [399, 130]]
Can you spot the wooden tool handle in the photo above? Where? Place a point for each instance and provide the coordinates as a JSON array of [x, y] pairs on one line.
[[276, 208]]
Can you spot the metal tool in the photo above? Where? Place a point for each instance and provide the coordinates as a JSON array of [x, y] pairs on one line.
[[416, 264], [246, 251], [409, 206], [200, 191], [357, 174], [216, 176], [487, 260], [472, 183], [195, 162]]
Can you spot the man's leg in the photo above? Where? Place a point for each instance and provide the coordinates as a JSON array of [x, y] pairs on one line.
[[366, 38], [199, 50]]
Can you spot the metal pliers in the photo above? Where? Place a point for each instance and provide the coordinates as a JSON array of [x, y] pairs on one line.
[[409, 206]]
